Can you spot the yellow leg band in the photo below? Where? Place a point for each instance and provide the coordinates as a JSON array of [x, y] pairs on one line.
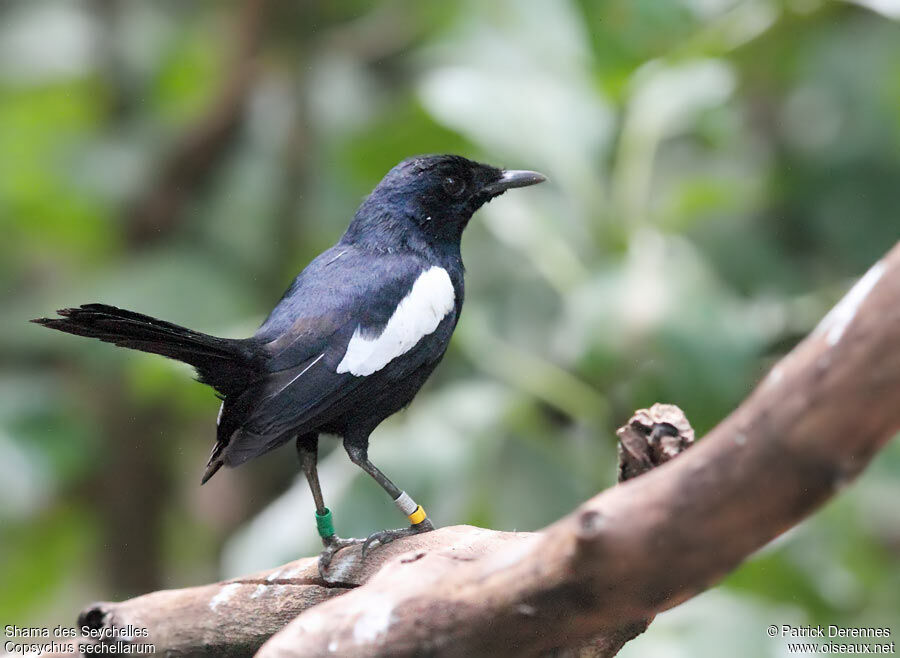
[[418, 516]]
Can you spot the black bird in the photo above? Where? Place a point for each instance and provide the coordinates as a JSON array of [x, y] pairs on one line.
[[351, 341]]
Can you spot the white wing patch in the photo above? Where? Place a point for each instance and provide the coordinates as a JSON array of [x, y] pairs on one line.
[[418, 314]]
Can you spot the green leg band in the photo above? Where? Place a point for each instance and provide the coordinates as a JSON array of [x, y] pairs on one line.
[[325, 524]]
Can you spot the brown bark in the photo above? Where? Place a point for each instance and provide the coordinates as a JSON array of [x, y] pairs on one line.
[[590, 582], [637, 549], [235, 617]]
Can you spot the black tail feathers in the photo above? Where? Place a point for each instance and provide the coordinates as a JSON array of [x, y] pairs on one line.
[[223, 363]]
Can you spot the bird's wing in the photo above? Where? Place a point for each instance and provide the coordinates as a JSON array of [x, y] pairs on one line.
[[346, 316]]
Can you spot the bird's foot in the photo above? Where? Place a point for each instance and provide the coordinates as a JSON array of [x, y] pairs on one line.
[[332, 545], [383, 537]]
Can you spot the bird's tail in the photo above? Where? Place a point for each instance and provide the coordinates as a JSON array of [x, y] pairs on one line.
[[223, 363]]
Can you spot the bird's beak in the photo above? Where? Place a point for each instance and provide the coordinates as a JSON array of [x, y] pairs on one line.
[[514, 178]]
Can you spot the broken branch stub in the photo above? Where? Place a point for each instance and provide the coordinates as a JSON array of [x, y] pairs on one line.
[[652, 437]]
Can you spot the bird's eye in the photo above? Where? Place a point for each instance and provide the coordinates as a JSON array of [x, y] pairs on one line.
[[454, 186]]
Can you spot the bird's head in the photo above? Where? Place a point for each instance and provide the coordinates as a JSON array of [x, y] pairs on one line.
[[436, 194]]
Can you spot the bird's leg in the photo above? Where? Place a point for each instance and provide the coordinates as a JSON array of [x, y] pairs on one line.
[[307, 450], [419, 522]]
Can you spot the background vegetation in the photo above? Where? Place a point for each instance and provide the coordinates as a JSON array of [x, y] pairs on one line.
[[721, 170]]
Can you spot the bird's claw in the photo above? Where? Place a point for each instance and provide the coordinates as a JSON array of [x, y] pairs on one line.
[[383, 537], [332, 545]]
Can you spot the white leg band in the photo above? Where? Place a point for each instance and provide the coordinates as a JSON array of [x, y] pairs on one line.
[[405, 504]]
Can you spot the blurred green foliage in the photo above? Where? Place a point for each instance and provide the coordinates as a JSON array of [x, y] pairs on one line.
[[720, 171]]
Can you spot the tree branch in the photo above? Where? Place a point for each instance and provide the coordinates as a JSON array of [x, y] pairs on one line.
[[651, 543], [235, 617], [590, 582]]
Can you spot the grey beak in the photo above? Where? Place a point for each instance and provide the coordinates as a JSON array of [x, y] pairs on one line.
[[514, 178]]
